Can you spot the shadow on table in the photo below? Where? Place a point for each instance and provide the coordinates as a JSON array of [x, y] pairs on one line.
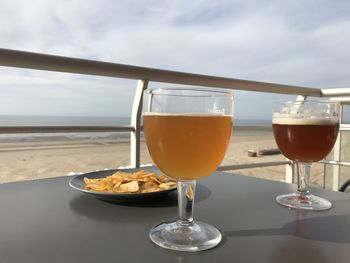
[[92, 207], [170, 199], [164, 200], [327, 228]]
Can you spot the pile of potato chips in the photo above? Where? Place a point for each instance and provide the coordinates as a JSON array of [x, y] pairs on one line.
[[138, 182]]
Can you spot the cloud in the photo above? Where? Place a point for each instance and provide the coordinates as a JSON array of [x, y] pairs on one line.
[[292, 42]]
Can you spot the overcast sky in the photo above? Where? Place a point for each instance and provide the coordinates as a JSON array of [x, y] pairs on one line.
[[292, 42]]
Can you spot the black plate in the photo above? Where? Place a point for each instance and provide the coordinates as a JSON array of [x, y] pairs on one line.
[[77, 182]]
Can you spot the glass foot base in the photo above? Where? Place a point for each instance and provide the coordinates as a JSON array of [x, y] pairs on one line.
[[195, 237], [306, 202]]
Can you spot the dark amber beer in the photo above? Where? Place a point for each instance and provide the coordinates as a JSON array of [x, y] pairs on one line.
[[305, 140]]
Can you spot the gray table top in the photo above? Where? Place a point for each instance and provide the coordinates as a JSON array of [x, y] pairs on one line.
[[47, 221]]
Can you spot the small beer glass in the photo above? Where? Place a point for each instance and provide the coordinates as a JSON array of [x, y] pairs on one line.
[[305, 132]]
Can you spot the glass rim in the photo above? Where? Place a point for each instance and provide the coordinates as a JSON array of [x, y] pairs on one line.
[[206, 92]]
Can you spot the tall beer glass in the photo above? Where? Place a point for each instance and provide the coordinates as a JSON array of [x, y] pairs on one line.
[[305, 132], [187, 133]]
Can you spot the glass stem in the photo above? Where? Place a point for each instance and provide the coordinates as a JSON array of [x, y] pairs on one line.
[[303, 172], [186, 193]]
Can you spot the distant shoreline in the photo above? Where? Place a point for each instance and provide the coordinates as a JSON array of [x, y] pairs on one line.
[[100, 135]]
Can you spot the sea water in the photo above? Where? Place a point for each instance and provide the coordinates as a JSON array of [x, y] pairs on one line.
[[245, 125]]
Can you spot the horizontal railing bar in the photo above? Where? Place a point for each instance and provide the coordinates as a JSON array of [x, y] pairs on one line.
[[344, 127], [336, 92], [343, 100], [251, 165], [335, 162], [30, 60], [38, 129], [58, 129]]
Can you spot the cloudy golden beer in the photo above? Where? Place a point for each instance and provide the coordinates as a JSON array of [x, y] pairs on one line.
[[185, 146]]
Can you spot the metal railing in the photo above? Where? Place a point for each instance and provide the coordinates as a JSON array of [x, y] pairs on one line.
[[144, 75]]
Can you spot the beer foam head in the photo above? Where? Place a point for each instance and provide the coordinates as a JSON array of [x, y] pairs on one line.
[[304, 121], [308, 112]]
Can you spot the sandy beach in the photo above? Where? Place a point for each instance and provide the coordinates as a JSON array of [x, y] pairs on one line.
[[27, 160]]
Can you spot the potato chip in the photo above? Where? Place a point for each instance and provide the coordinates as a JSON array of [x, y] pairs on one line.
[[131, 187], [137, 182], [167, 185], [190, 193]]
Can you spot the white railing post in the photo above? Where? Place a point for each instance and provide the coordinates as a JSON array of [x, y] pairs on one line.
[[336, 155], [135, 137]]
